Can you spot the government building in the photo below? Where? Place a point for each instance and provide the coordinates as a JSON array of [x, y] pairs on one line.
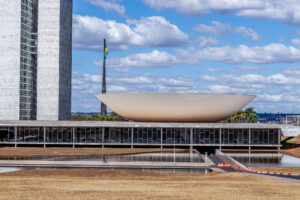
[[36, 59]]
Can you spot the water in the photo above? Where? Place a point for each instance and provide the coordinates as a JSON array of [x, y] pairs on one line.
[[144, 157], [8, 169], [266, 160], [176, 171]]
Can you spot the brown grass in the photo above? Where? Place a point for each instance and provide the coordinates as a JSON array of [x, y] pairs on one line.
[[37, 151], [293, 170], [110, 184], [294, 152]]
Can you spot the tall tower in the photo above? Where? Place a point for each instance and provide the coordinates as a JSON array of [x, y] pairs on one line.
[[36, 58], [103, 106], [54, 74]]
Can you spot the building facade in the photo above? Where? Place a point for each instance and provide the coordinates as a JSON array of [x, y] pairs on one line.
[[76, 133], [36, 59]]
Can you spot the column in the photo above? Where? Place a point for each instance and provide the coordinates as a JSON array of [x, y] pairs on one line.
[[249, 133], [191, 139], [279, 139], [16, 135], [44, 133], [131, 137], [220, 139], [73, 137], [161, 138], [103, 131]]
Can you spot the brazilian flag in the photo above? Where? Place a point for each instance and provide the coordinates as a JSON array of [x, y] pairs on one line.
[[105, 51]]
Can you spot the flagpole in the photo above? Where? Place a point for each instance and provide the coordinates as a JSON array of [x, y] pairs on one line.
[[103, 106]]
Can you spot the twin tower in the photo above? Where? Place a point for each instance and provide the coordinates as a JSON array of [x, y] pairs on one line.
[[35, 59]]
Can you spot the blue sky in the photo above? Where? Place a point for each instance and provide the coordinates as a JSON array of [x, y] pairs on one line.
[[189, 46]]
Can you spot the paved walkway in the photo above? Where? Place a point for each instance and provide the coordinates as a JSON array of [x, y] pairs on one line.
[[100, 164]]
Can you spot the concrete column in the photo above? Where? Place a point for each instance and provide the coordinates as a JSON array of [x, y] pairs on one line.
[[16, 135], [220, 139], [191, 139], [249, 132], [279, 139], [161, 138], [103, 131], [73, 137], [44, 133], [131, 137]]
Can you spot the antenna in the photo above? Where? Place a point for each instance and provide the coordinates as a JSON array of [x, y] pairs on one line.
[[103, 106]]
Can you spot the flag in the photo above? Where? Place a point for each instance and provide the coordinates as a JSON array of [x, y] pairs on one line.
[[105, 51]]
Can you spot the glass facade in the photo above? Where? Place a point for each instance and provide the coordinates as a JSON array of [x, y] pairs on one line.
[[141, 136], [28, 60]]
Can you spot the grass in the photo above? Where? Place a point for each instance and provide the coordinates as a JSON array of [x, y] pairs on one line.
[[293, 170], [294, 152], [37, 151], [114, 184]]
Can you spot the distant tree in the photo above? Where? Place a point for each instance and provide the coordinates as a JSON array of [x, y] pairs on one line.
[[97, 117], [248, 115], [78, 118]]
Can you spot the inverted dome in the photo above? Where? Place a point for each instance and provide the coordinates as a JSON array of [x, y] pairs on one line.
[[175, 107]]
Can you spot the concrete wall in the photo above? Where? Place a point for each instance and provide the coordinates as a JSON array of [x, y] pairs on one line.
[[10, 30], [54, 60]]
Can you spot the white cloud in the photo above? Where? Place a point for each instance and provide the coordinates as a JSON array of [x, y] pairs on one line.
[[284, 10], [247, 32], [296, 41], [108, 5], [218, 28], [272, 53], [214, 70], [275, 79], [156, 31], [151, 59], [248, 68], [207, 41], [85, 86], [268, 97]]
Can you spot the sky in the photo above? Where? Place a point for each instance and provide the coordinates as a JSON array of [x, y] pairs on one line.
[[188, 46]]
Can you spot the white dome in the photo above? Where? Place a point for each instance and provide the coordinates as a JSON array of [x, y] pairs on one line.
[[175, 107]]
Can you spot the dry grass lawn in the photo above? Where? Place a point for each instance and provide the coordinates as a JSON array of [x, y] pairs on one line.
[[294, 152], [110, 184], [293, 170], [37, 151]]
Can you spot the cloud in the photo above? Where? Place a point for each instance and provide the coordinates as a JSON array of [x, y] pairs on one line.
[[214, 70], [207, 41], [85, 86], [296, 41], [285, 10], [248, 68], [109, 5], [275, 79], [218, 28], [271, 53], [156, 31], [142, 60]]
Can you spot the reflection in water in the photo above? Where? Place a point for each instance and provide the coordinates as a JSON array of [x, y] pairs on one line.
[[144, 157], [156, 157], [8, 169], [174, 171], [268, 159]]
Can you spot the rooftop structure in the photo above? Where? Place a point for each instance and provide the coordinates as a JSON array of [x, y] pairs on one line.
[[175, 107]]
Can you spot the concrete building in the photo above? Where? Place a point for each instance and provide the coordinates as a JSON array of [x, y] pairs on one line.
[[36, 56], [134, 134]]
